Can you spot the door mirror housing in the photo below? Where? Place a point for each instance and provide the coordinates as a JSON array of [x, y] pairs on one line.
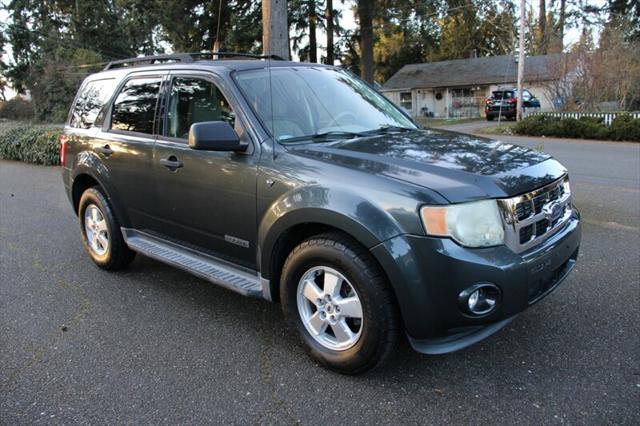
[[214, 136]]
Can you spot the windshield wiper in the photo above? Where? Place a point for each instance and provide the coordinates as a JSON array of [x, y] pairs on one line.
[[324, 136], [387, 129]]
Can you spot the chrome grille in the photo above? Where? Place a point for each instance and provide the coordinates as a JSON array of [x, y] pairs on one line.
[[535, 216]]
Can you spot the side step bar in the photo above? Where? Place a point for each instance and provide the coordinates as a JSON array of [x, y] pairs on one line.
[[210, 268]]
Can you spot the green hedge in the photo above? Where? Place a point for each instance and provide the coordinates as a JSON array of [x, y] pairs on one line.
[[623, 128], [30, 144]]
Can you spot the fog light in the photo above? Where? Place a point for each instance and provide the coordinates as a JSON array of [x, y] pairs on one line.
[[479, 299]]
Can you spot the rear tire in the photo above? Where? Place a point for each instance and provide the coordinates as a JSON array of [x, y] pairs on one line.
[[100, 232], [362, 302], [489, 117]]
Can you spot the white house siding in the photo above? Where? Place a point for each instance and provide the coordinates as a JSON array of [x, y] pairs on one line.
[[422, 98], [540, 92], [393, 97], [426, 98]]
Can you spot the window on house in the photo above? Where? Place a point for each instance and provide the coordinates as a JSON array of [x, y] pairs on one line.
[[462, 93], [406, 101]]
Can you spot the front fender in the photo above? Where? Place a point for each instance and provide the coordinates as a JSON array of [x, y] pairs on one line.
[[88, 163], [344, 210]]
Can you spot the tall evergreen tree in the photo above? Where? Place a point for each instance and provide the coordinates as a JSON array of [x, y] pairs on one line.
[[366, 10]]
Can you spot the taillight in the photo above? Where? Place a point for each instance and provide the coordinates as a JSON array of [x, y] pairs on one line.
[[513, 100], [63, 150]]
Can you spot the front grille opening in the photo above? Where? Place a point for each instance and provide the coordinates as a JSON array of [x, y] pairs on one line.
[[539, 202], [535, 215], [554, 194], [541, 227], [524, 210], [526, 233]]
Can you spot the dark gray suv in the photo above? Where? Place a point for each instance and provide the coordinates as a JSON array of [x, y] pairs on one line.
[[298, 183]]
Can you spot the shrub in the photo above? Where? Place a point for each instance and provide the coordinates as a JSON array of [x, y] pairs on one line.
[[31, 144], [623, 128], [17, 109]]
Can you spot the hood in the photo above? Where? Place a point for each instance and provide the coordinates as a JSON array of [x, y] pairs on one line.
[[459, 167]]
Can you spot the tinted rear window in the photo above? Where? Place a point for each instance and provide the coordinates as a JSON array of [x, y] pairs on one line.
[[92, 97], [134, 108], [504, 94]]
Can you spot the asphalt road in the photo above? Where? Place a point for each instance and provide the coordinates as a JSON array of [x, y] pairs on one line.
[[154, 345]]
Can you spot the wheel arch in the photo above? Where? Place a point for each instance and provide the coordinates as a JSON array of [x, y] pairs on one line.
[[89, 171], [283, 239]]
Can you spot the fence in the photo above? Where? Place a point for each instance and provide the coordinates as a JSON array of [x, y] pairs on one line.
[[607, 117]]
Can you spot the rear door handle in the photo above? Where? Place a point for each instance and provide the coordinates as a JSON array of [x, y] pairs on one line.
[[172, 163], [105, 150]]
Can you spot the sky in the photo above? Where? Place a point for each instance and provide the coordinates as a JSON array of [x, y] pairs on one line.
[[348, 22]]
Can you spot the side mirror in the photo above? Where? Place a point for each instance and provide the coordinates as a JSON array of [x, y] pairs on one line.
[[214, 136]]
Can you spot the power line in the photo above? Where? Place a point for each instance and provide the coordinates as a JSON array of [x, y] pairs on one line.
[[67, 43]]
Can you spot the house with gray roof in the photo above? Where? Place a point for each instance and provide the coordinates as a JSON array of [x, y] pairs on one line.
[[459, 88]]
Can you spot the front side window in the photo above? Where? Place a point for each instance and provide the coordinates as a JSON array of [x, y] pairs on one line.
[[195, 100], [134, 108], [294, 102], [91, 99], [405, 100]]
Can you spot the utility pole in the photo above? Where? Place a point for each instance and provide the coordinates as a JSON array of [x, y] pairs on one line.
[[328, 13], [275, 29], [520, 60], [365, 16]]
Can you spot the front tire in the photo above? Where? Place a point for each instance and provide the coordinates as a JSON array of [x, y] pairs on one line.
[[337, 297], [100, 232]]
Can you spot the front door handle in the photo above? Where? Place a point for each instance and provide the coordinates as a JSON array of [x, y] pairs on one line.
[[172, 163], [105, 150]]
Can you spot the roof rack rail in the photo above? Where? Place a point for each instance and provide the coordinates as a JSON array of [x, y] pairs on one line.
[[183, 58]]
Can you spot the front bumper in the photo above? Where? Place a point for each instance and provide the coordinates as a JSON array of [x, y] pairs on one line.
[[506, 113], [428, 274]]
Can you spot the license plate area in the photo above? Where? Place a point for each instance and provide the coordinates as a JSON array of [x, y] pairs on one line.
[[548, 272]]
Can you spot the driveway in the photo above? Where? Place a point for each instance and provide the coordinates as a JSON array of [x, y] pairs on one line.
[[154, 345]]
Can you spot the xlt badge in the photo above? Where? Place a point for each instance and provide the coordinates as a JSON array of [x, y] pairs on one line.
[[237, 241]]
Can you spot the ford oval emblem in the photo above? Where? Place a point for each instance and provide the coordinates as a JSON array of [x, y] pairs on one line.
[[552, 211]]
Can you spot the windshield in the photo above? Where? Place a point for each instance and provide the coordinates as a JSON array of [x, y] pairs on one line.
[[312, 101]]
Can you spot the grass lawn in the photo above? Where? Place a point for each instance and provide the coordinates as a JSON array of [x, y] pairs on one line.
[[436, 122], [499, 129]]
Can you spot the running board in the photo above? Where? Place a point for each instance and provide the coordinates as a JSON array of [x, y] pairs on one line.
[[210, 268]]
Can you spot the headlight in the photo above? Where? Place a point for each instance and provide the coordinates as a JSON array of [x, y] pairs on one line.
[[565, 186], [475, 224]]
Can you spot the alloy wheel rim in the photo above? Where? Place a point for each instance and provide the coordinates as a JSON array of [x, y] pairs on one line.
[[96, 231], [330, 308]]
